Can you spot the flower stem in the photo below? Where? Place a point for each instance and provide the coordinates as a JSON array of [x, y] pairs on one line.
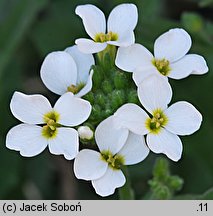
[[126, 192], [110, 51]]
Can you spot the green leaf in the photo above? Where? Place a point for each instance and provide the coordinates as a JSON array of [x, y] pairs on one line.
[[10, 170], [197, 26], [15, 26], [192, 21], [208, 195], [206, 3]]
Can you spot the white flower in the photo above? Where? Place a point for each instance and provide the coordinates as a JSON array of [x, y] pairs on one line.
[[165, 122], [85, 133], [68, 70], [44, 125], [117, 147], [170, 58], [120, 25]]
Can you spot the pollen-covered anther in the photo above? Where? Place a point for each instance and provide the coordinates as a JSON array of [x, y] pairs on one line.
[[153, 120], [157, 124], [162, 65], [157, 115], [102, 38], [75, 88], [161, 120], [51, 124], [72, 88], [157, 120]]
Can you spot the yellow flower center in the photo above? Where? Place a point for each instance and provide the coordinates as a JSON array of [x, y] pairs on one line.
[[75, 88], [101, 37], [49, 130], [157, 121], [162, 66], [114, 161]]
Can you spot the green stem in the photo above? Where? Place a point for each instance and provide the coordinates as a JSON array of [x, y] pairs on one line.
[[126, 192], [110, 50]]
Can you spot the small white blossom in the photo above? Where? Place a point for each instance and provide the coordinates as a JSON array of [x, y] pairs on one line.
[[117, 147], [120, 25], [170, 58], [85, 133], [46, 126], [165, 122], [68, 71]]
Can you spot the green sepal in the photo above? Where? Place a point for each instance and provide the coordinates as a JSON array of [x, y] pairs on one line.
[[90, 97], [100, 99], [98, 77], [107, 86], [120, 80], [132, 97], [117, 99]]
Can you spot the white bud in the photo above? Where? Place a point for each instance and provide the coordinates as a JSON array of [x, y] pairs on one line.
[[85, 133]]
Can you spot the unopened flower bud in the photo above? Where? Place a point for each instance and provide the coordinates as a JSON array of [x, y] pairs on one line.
[[85, 133]]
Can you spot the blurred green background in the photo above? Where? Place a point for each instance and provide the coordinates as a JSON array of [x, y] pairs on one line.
[[30, 29]]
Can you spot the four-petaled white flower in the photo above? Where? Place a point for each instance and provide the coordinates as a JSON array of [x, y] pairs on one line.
[[169, 60], [165, 122], [117, 147], [120, 25], [68, 71], [44, 125]]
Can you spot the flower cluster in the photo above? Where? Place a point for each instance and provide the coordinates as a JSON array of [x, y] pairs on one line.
[[126, 135]]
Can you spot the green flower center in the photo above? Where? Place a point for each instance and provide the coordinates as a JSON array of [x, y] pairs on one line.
[[157, 121], [101, 37], [49, 130], [162, 66], [75, 88], [114, 161]]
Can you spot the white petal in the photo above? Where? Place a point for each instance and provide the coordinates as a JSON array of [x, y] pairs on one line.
[[201, 65], [93, 19], [129, 58], [83, 62], [141, 73], [166, 143], [154, 93], [132, 117], [172, 45], [87, 88], [88, 165], [58, 72], [65, 143], [73, 111], [108, 137], [89, 46], [29, 108], [107, 184], [27, 139], [189, 64], [135, 149], [124, 40], [183, 118], [123, 19]]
